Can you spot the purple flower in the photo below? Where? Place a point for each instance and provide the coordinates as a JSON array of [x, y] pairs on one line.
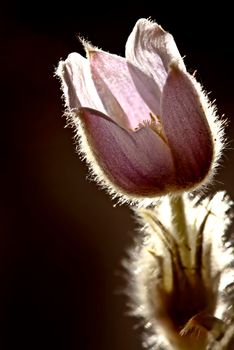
[[146, 127]]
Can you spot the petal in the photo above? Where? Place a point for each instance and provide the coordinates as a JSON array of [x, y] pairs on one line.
[[152, 49], [117, 91], [146, 87], [186, 128], [137, 163], [78, 87]]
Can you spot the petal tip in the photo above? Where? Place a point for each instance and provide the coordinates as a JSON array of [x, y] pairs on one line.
[[176, 66], [144, 23], [89, 48]]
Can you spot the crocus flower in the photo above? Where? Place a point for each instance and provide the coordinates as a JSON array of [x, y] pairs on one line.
[[184, 304], [145, 126]]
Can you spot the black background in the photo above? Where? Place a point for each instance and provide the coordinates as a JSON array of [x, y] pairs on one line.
[[61, 240]]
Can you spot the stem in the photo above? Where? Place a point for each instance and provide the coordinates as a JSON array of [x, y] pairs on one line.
[[180, 229]]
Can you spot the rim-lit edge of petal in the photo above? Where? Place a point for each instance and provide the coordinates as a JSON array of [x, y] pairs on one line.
[[77, 84], [217, 125]]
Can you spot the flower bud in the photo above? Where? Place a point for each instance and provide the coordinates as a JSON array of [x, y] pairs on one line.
[[184, 294], [145, 126]]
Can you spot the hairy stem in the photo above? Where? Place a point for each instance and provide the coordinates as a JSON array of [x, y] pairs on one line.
[[180, 228]]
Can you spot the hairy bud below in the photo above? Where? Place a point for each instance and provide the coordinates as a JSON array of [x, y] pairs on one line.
[[183, 292]]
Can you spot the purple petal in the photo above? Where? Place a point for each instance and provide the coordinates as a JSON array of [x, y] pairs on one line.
[[152, 50], [138, 163], [186, 128], [117, 91], [78, 87]]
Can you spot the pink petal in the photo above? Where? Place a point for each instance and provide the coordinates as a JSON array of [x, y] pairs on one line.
[[138, 163], [186, 127], [152, 50], [146, 87], [78, 87], [117, 91]]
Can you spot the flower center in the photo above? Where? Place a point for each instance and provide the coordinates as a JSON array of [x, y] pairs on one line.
[[156, 125]]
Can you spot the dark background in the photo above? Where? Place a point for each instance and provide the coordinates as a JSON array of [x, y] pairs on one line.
[[62, 240]]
